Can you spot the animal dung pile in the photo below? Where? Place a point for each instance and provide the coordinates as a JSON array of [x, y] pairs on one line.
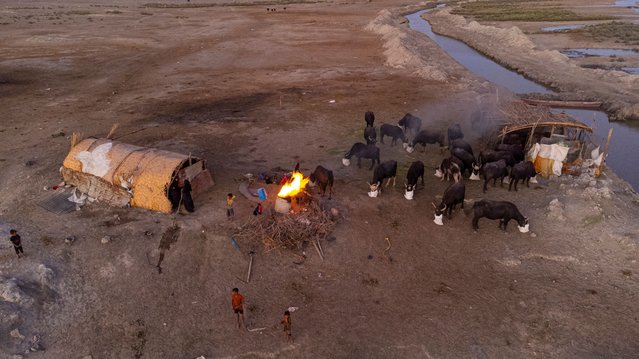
[[292, 231]]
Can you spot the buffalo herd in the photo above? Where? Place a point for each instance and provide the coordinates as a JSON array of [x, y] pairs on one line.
[[505, 160]]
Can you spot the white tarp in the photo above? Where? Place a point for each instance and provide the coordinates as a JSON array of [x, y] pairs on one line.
[[97, 161], [555, 152]]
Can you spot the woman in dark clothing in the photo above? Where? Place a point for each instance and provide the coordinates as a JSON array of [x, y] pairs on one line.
[[174, 195], [186, 195]]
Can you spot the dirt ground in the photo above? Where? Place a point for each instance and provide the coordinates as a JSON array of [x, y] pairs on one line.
[[249, 90]]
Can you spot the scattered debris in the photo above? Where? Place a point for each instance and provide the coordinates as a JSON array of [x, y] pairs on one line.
[[105, 239], [29, 163], [45, 274], [250, 266], [58, 134], [293, 309], [16, 334], [35, 344], [69, 240], [556, 210]]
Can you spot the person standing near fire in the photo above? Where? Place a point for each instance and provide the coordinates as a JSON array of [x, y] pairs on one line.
[[229, 206]]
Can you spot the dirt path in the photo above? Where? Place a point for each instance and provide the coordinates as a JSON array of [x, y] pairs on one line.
[[250, 90]]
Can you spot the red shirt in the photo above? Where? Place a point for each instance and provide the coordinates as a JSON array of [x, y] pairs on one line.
[[237, 300]]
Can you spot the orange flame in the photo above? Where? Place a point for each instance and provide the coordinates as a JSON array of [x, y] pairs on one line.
[[294, 185]]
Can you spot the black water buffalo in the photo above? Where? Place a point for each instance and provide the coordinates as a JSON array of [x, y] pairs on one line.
[[494, 170], [453, 196], [448, 170], [501, 210], [455, 132], [425, 137], [411, 123], [516, 150], [384, 170], [523, 171], [395, 132], [466, 158], [493, 156], [415, 171], [459, 143], [360, 151], [323, 178], [369, 117], [370, 135]]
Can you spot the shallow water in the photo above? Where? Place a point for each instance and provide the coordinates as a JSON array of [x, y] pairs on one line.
[[561, 28], [631, 70], [474, 61], [575, 53], [624, 145]]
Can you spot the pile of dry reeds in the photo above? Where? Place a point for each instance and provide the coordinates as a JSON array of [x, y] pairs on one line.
[[289, 231]]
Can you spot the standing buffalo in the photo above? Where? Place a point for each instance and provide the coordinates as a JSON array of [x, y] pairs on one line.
[[453, 196], [494, 170], [395, 132], [454, 132], [360, 151], [459, 143], [384, 170], [369, 117], [324, 178], [425, 137], [466, 159], [501, 210], [415, 171], [370, 135], [448, 170], [516, 150], [523, 171], [492, 156], [411, 123]]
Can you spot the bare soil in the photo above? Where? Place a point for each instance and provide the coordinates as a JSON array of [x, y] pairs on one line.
[[249, 90]]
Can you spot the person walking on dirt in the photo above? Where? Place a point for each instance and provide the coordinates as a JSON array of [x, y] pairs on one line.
[[17, 242], [229, 206], [286, 322], [237, 301]]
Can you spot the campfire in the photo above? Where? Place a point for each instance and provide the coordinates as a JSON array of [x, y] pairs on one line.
[[289, 191]]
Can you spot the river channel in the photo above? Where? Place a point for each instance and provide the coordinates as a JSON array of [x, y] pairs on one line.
[[624, 146]]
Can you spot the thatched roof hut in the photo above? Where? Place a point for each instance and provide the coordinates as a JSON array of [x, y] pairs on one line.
[[519, 116], [122, 174]]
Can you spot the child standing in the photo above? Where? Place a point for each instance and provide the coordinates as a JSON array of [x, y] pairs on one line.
[[17, 242], [229, 206], [237, 302], [286, 322]]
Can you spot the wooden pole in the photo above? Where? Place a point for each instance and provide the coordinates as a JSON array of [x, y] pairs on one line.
[[248, 275], [605, 154]]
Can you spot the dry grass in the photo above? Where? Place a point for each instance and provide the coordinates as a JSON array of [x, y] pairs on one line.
[[620, 32], [520, 10]]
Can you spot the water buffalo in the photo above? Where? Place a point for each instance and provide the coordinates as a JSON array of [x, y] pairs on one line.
[[516, 150], [425, 137], [384, 170], [501, 210], [492, 156], [448, 170], [523, 171], [466, 159], [369, 117], [370, 135], [411, 123], [459, 143], [324, 178], [415, 171], [360, 151], [455, 132], [453, 196], [395, 132], [494, 170]]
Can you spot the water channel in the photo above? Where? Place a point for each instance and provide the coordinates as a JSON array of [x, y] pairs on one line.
[[624, 147]]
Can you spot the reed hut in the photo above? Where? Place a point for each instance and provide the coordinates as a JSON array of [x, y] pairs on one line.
[[122, 174]]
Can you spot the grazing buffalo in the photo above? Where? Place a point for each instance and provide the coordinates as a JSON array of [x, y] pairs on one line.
[[360, 151], [516, 150], [523, 171], [494, 170], [384, 170], [394, 132], [466, 159], [492, 156], [455, 132], [370, 135], [415, 171], [448, 170], [501, 210], [411, 123], [459, 143], [453, 196], [425, 137], [323, 178], [369, 117]]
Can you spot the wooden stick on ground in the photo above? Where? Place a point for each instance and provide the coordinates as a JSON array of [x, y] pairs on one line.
[[318, 250], [248, 275], [113, 129]]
